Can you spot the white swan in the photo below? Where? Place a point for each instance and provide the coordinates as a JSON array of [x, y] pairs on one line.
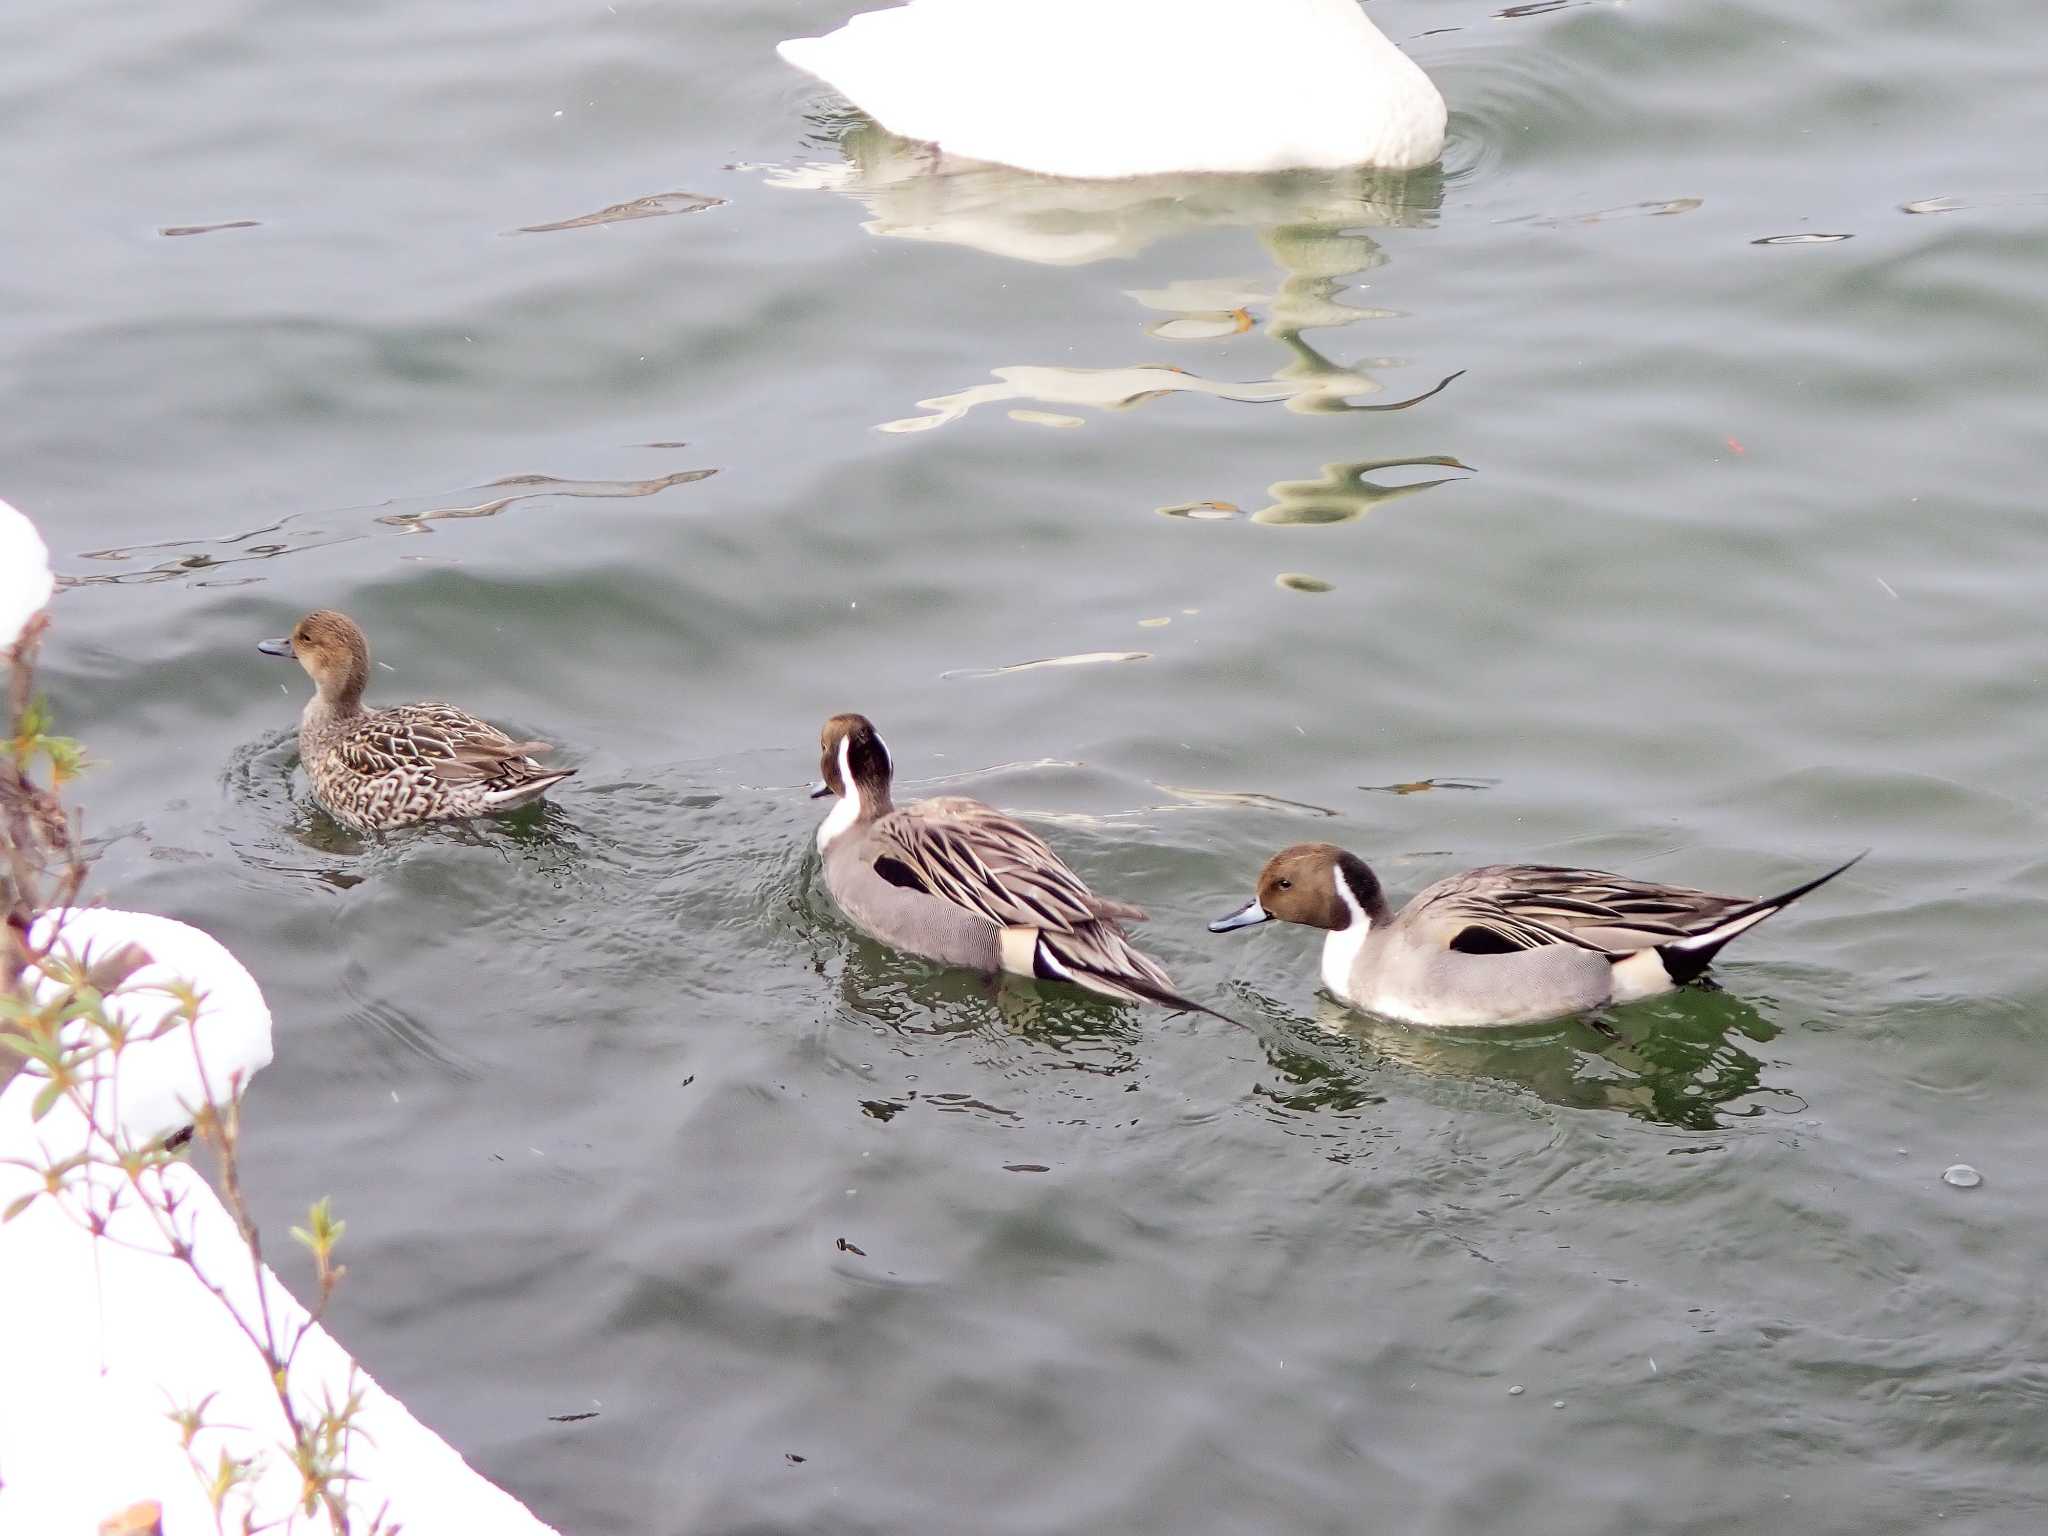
[[101, 1341], [1112, 88], [25, 582]]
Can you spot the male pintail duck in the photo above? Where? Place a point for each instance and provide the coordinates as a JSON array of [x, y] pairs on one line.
[[959, 882], [1508, 944], [374, 769], [1112, 88]]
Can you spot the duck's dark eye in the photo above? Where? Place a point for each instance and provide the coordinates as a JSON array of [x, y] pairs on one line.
[[1286, 884]]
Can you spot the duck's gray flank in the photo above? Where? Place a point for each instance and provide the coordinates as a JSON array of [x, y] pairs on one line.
[[374, 769], [1506, 944], [954, 880]]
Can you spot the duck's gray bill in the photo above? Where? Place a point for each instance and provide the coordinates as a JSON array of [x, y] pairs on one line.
[[274, 647], [1253, 913], [820, 790]]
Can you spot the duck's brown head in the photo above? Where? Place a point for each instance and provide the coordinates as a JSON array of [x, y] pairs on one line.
[[331, 647], [1309, 884], [855, 764]]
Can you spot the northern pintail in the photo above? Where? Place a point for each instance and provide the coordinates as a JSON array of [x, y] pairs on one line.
[[1114, 88], [959, 882], [374, 769], [1508, 944]]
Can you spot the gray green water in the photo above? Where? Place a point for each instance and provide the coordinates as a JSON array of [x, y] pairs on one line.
[[1744, 574]]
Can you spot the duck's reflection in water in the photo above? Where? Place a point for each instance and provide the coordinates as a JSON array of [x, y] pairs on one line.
[[1678, 1061], [911, 997]]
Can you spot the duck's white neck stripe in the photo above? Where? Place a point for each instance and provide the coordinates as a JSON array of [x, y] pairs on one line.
[[847, 811], [1340, 949]]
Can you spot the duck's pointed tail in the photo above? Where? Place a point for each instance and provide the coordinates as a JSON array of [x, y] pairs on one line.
[[526, 791], [1104, 963], [1686, 958]]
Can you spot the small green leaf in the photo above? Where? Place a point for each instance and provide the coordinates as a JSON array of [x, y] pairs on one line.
[[52, 1091]]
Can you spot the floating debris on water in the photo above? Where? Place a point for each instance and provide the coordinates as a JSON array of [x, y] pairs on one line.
[[173, 231], [1558, 1404], [1154, 623], [1046, 419], [1657, 209], [1815, 239], [1204, 511], [1932, 205], [1962, 1175], [1294, 581], [660, 205], [1083, 659], [1516, 1391], [1420, 786], [1249, 798]]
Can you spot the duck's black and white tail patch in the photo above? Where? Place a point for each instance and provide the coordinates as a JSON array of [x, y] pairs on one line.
[[1684, 959], [1048, 964]]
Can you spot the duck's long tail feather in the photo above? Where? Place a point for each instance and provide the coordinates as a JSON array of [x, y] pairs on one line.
[[1110, 967], [1686, 958]]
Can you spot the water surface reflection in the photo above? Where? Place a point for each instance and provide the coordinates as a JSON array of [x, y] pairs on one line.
[[1680, 1061], [911, 192]]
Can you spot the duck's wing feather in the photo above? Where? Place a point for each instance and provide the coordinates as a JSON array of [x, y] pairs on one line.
[[449, 743], [1526, 906], [976, 857]]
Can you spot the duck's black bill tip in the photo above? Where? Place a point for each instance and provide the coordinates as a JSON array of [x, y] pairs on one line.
[[1243, 918], [820, 790], [274, 647]]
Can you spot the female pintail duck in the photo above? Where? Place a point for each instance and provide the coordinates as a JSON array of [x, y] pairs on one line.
[[374, 769], [959, 882], [1113, 88], [1508, 944]]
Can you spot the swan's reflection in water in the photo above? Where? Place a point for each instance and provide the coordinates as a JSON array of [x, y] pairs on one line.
[[912, 192], [1343, 493], [1311, 225]]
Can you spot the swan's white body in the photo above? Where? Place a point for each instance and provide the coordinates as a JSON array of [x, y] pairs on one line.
[[99, 1342], [25, 582], [1112, 88]]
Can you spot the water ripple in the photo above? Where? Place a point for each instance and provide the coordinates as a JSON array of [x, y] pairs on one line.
[[302, 531]]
